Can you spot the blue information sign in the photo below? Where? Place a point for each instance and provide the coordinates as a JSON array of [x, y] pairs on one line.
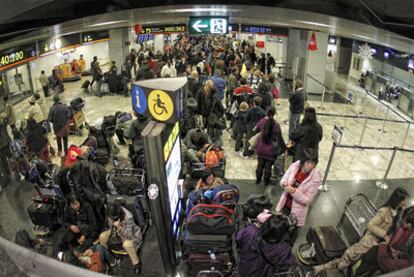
[[139, 100]]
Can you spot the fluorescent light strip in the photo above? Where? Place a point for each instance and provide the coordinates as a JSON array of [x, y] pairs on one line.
[[315, 23], [108, 23]]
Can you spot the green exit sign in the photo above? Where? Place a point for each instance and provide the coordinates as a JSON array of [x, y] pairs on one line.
[[208, 25]]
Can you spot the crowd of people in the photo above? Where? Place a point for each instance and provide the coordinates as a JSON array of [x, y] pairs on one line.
[[231, 86]]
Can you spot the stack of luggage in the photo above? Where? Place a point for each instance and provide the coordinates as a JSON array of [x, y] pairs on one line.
[[208, 237], [213, 158]]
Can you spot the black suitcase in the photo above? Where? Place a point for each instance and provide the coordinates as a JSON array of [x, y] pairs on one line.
[[202, 244], [43, 214], [328, 242], [209, 262], [86, 84]]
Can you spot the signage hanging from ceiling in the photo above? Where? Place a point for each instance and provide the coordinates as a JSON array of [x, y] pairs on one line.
[[265, 30], [59, 43], [208, 25], [17, 55], [95, 36], [161, 29]]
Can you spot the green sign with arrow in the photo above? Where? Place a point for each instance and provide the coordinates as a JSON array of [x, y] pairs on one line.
[[208, 25]]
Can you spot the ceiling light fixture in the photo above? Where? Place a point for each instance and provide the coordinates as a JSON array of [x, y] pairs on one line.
[[107, 23], [315, 23]]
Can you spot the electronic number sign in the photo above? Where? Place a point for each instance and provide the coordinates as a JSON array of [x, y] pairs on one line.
[[17, 55], [164, 29]]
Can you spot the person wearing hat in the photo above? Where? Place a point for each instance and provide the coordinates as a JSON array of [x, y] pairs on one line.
[[307, 135], [35, 111], [300, 184], [121, 223], [59, 115]]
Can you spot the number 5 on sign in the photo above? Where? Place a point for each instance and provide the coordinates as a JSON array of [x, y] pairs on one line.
[[139, 100]]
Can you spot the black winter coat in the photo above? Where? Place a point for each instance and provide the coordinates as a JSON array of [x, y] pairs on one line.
[[253, 116], [297, 101], [36, 138], [306, 137], [84, 219], [266, 99], [59, 115]]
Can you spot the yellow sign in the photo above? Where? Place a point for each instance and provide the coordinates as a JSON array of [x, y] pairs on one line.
[[170, 141], [160, 105]]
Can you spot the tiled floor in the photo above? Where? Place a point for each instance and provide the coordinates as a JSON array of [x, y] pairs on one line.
[[349, 172]]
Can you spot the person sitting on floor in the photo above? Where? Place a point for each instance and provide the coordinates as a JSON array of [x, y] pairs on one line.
[[263, 251], [208, 180], [81, 226], [121, 223], [378, 230], [395, 255]]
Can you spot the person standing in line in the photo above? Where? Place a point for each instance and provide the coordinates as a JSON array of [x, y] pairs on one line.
[[297, 104], [220, 84], [270, 63], [9, 114], [270, 144], [97, 76], [59, 116], [44, 81]]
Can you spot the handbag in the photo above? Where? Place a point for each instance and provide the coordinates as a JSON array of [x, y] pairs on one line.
[[253, 141]]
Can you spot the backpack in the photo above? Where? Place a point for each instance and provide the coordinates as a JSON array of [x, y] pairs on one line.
[[195, 197], [124, 117], [108, 125], [213, 156], [226, 194]]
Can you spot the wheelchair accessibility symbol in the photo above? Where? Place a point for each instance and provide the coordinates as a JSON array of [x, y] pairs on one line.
[[160, 105]]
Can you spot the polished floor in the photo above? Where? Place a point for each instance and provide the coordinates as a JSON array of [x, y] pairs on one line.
[[352, 170]]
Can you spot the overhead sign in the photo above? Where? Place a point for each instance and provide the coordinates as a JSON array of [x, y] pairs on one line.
[[267, 30], [95, 36], [159, 99], [208, 25], [162, 29], [17, 55], [59, 43]]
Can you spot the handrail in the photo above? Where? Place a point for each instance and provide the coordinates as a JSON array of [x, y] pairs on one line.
[[388, 107], [317, 81], [361, 117]]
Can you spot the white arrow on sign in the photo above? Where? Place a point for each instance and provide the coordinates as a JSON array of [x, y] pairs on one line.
[[196, 26]]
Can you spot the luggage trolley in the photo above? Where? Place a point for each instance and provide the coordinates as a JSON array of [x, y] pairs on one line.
[[126, 181], [77, 122], [326, 243]]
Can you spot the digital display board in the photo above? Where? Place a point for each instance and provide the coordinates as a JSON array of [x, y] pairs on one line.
[[164, 29], [58, 43], [208, 25], [94, 36], [17, 55], [172, 170], [267, 30]]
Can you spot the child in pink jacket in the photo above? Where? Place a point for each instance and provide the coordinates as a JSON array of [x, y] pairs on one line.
[[300, 183]]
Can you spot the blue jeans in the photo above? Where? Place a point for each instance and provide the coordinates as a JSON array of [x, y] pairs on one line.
[[106, 256]]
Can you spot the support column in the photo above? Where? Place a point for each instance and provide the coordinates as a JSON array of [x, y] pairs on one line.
[[118, 45], [316, 63], [296, 53]]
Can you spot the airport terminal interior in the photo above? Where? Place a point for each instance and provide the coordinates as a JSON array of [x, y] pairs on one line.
[[172, 138]]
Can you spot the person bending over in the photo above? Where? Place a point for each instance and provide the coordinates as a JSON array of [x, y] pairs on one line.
[[208, 180], [121, 223], [263, 251]]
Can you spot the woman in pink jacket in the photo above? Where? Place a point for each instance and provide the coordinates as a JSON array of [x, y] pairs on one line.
[[300, 183]]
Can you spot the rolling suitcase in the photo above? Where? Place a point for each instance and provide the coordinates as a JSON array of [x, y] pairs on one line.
[[203, 244], [209, 262]]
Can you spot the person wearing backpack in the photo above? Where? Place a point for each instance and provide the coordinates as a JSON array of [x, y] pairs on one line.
[[262, 91], [270, 144], [240, 127], [263, 250]]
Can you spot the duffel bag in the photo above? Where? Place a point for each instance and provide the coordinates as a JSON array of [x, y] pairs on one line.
[[226, 194], [210, 219], [328, 243]]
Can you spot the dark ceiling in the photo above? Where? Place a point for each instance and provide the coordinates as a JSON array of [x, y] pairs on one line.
[[17, 17]]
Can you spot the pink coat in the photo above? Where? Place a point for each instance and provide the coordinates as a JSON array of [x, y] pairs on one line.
[[303, 195]]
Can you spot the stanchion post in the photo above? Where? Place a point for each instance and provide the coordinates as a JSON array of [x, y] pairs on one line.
[[382, 130], [363, 131], [406, 134], [324, 186], [323, 98], [382, 184]]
